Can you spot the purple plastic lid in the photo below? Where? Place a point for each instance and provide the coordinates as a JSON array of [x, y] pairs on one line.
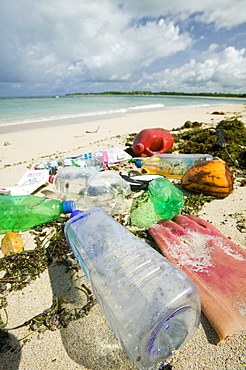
[[139, 164], [75, 212], [68, 206]]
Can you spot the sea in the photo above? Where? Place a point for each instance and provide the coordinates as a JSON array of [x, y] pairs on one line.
[[32, 110]]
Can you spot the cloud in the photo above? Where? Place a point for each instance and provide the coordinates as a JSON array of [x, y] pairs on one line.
[[60, 46], [219, 71], [134, 47], [48, 45], [223, 13]]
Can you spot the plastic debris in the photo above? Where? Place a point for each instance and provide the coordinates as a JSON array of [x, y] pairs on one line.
[[211, 177], [213, 262], [152, 141], [12, 243], [89, 188], [30, 182]]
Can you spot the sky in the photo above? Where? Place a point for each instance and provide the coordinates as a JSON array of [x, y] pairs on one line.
[[57, 47]]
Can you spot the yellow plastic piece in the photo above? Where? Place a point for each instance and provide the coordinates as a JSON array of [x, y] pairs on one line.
[[12, 243]]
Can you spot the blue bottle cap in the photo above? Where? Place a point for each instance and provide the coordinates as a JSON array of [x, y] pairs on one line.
[[75, 213], [68, 206], [139, 164]]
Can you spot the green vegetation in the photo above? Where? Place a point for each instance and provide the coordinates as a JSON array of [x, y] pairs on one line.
[[204, 94]]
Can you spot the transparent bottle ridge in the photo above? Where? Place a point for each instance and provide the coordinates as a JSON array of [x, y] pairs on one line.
[[21, 213], [171, 165], [151, 305]]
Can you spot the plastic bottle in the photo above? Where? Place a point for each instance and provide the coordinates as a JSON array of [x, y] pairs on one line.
[[152, 141], [171, 165], [89, 188], [83, 161], [71, 182], [168, 200], [21, 213], [112, 156], [151, 305], [96, 160]]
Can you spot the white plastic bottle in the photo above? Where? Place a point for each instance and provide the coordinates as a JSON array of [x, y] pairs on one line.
[[151, 305], [171, 165]]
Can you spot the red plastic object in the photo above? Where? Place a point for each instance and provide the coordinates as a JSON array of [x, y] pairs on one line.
[[152, 141], [213, 262]]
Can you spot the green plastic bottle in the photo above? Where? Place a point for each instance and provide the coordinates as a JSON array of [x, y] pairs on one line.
[[21, 213], [168, 200]]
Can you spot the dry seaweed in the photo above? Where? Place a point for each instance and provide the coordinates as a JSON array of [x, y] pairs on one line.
[[22, 268], [56, 317], [194, 203], [198, 140]]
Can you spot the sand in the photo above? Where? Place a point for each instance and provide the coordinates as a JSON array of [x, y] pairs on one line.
[[89, 343]]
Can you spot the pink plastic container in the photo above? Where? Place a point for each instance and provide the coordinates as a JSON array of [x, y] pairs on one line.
[[152, 141]]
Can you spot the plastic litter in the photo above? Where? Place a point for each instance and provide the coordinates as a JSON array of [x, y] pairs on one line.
[[89, 188], [151, 305], [214, 263], [12, 243], [96, 160], [142, 213], [152, 141], [30, 181], [168, 200], [161, 200], [211, 177], [139, 182], [171, 165], [21, 213]]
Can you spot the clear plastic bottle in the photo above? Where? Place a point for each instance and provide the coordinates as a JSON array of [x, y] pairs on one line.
[[171, 165], [151, 305], [71, 182], [21, 213], [83, 161], [89, 188], [96, 160]]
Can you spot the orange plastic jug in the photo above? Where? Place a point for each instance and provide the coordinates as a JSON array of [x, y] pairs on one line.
[[152, 141]]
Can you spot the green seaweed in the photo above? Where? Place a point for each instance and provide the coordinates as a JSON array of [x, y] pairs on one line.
[[194, 203]]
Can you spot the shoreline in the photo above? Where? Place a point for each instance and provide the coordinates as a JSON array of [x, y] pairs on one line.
[[22, 149], [63, 119], [88, 343], [121, 123]]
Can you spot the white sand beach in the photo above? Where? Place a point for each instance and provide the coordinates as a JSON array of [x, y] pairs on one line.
[[89, 343]]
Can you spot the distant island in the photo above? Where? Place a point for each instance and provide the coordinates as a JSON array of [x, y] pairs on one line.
[[214, 95]]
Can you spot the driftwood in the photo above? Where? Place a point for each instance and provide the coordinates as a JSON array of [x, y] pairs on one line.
[[92, 132]]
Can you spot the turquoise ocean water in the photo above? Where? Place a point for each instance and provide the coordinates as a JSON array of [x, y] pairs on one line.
[[31, 110]]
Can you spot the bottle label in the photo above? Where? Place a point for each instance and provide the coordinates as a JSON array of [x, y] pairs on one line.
[[30, 181]]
